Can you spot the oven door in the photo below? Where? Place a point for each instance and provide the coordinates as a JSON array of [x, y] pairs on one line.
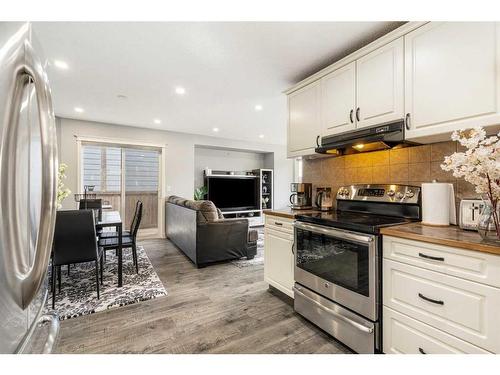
[[339, 265]]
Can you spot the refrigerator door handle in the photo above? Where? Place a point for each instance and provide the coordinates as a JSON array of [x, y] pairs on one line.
[[25, 282], [53, 331]]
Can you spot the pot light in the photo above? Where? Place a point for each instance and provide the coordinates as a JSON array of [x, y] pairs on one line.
[[157, 121], [180, 90], [261, 135], [60, 64], [359, 146], [78, 109], [258, 107], [215, 129]]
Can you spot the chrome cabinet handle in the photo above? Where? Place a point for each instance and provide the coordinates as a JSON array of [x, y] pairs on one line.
[[25, 283], [357, 114], [437, 302], [350, 116], [407, 121], [278, 223], [345, 319], [422, 255]]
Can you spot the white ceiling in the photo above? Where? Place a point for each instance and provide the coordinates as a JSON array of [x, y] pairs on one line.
[[226, 69]]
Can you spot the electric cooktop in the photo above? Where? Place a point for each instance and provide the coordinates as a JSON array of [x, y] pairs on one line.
[[353, 221]]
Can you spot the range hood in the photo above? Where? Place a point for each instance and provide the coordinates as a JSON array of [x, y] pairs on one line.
[[379, 137]]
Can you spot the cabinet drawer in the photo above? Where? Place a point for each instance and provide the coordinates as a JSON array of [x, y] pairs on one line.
[[471, 265], [459, 307], [404, 335], [280, 224]]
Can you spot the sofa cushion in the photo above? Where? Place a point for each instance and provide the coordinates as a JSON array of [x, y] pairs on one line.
[[176, 200], [205, 210]]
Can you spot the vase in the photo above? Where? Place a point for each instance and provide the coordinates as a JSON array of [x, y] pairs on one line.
[[489, 225]]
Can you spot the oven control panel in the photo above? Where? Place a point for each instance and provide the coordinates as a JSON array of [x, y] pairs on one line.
[[380, 193]]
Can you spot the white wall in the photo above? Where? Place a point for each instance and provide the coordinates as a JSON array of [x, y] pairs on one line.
[[224, 160], [180, 154]]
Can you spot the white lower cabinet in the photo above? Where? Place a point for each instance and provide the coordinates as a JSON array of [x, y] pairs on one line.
[[404, 335], [278, 254], [453, 310]]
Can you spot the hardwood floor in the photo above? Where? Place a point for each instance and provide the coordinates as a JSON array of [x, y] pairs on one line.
[[217, 309]]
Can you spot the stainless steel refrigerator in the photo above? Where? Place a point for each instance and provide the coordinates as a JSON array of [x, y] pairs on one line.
[[28, 183]]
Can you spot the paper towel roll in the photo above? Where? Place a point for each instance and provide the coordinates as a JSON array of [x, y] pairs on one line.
[[436, 209]]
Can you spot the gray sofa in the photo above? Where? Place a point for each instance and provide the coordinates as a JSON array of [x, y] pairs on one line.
[[199, 229]]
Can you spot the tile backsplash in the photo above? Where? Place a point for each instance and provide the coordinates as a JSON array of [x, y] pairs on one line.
[[410, 165]]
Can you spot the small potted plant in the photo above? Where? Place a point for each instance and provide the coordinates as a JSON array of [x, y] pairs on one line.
[[480, 165], [200, 193]]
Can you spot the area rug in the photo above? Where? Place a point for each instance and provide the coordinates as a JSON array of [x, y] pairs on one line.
[[259, 257], [78, 294]]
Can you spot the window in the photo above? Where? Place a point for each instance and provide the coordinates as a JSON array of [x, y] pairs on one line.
[[102, 168], [141, 170]]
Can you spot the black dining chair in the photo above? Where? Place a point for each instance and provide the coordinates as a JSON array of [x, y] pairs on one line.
[[111, 234], [91, 204], [75, 241], [128, 240]]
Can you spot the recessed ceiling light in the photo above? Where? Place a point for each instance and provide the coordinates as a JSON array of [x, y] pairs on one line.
[[157, 121], [60, 64], [180, 90], [261, 135], [258, 107], [78, 109], [215, 129]]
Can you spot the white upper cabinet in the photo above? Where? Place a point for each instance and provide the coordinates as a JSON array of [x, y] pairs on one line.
[[380, 85], [338, 100], [451, 77], [304, 125]]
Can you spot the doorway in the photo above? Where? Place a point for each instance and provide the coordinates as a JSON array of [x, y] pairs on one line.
[[123, 174]]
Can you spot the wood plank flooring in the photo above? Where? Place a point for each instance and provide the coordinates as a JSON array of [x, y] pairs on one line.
[[217, 309]]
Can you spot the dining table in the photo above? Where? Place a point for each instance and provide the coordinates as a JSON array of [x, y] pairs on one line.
[[113, 219]]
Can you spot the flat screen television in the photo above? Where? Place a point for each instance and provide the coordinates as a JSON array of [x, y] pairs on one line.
[[233, 193]]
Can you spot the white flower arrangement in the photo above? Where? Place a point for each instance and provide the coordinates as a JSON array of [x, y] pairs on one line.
[[62, 191], [479, 165]]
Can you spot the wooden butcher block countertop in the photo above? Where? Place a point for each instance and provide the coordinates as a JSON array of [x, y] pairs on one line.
[[448, 236], [288, 213]]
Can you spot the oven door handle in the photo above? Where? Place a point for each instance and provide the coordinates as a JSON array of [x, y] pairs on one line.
[[345, 319], [342, 234]]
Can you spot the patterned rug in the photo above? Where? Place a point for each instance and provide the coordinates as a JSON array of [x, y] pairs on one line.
[[259, 257], [78, 294]]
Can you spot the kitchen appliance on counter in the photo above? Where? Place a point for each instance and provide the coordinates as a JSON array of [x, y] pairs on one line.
[[324, 199], [301, 198], [338, 261], [28, 170], [470, 210]]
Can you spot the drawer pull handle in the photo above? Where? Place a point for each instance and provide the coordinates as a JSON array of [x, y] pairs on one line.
[[421, 255], [278, 223], [430, 299], [422, 351]]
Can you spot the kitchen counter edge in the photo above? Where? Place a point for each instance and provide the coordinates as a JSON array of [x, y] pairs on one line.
[[450, 235]]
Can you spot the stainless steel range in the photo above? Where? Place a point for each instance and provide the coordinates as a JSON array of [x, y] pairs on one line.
[[338, 261]]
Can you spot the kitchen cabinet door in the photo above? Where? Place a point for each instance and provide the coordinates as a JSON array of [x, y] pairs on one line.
[[380, 85], [279, 260], [303, 119], [451, 77], [338, 100]]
